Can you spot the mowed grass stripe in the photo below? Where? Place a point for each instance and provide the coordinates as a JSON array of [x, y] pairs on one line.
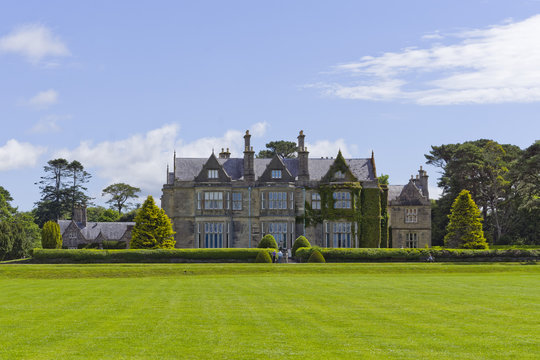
[[311, 316]]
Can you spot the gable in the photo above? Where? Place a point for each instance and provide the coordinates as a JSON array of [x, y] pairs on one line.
[[410, 195], [339, 171], [212, 170], [276, 167]]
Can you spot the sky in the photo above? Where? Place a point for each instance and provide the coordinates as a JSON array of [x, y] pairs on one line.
[[121, 85]]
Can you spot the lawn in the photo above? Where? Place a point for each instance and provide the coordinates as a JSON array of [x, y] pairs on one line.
[[270, 311]]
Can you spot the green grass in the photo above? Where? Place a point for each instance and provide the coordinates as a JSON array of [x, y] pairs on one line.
[[270, 311]]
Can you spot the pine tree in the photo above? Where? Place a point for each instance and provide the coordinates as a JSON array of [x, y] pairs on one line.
[[153, 228], [50, 236], [464, 229]]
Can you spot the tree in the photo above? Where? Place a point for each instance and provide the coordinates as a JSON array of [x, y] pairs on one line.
[[22, 243], [464, 229], [75, 192], [285, 149], [527, 177], [301, 241], [50, 236], [6, 239], [383, 179], [120, 193], [62, 189], [6, 210], [101, 214], [483, 168], [153, 228]]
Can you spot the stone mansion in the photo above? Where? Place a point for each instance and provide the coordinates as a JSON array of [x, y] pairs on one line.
[[221, 202]]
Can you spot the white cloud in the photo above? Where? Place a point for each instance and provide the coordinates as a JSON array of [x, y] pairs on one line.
[[49, 124], [493, 65], [141, 159], [33, 41], [326, 148], [16, 155], [43, 99]]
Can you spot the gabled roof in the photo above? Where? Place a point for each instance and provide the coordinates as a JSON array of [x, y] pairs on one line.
[[410, 195], [214, 164], [110, 230], [188, 168]]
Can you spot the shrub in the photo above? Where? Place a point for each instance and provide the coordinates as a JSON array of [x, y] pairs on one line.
[[145, 255], [114, 244], [50, 236], [263, 257], [268, 242], [298, 243], [440, 254], [464, 229], [316, 257]]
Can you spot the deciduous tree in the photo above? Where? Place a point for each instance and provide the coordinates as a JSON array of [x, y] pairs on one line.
[[120, 194]]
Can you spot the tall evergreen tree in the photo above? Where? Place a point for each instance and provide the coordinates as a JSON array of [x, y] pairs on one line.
[[51, 237], [464, 228], [76, 191], [285, 149], [153, 228], [6, 239]]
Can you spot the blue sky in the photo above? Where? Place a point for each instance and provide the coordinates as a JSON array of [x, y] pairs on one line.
[[120, 85]]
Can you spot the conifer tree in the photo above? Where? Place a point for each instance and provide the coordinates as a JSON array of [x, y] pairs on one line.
[[50, 236], [153, 228], [464, 229]]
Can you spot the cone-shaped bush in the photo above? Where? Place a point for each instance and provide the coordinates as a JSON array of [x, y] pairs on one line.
[[153, 229], [464, 229], [263, 257], [268, 242], [298, 243], [50, 236], [316, 257]]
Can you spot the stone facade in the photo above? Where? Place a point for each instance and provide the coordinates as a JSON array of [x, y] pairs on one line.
[[233, 202], [78, 232], [410, 213]]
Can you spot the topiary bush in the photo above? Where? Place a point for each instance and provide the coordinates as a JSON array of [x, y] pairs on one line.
[[263, 257], [298, 243], [50, 236], [316, 257], [267, 242]]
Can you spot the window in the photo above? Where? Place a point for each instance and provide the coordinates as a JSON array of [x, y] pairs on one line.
[[411, 215], [342, 235], [277, 200], [276, 174], [213, 200], [228, 200], [236, 201], [213, 235], [339, 175], [327, 234], [316, 201], [291, 199], [411, 240], [212, 174], [342, 200], [279, 232], [263, 200], [72, 236], [199, 201], [198, 234]]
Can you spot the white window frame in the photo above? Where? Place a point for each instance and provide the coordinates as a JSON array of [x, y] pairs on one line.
[[263, 200], [276, 174], [213, 174], [279, 231], [277, 200], [213, 235], [199, 200], [342, 200], [411, 215], [213, 200], [291, 201], [342, 234], [316, 201], [411, 240], [237, 201], [339, 175]]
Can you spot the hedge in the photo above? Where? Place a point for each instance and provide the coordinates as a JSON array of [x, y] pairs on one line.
[[144, 255], [397, 255]]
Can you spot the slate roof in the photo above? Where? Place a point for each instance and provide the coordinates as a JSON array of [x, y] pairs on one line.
[[111, 230], [394, 191], [188, 168]]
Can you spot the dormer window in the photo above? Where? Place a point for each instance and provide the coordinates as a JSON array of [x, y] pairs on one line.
[[212, 174], [276, 174], [339, 175]]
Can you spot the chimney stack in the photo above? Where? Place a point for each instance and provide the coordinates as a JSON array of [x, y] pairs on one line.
[[224, 154], [303, 169], [79, 215], [249, 155]]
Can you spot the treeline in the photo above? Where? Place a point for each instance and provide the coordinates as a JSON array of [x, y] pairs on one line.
[[503, 180]]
